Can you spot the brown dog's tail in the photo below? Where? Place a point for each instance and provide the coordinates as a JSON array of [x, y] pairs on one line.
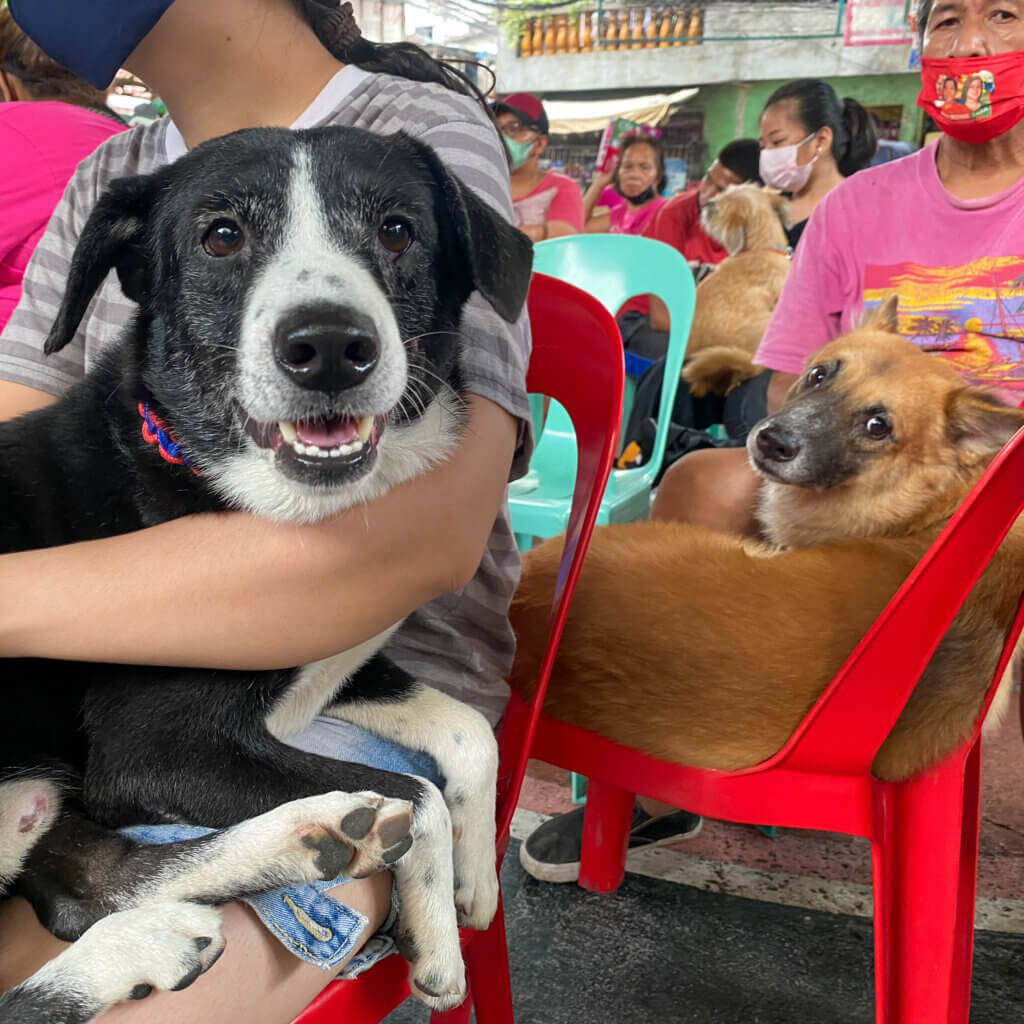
[[717, 370]]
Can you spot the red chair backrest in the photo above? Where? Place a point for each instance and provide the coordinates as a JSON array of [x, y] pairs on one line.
[[844, 730], [577, 359]]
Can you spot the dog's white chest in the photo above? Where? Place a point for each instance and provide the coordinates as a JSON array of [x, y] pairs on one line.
[[315, 684]]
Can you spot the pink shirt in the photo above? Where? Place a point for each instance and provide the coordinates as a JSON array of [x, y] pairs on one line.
[[625, 221], [41, 144], [556, 197], [956, 265]]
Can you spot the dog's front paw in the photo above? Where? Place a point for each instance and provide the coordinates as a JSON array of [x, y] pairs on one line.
[[437, 979], [125, 956], [476, 894]]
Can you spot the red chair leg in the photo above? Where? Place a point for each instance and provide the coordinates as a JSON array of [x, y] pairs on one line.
[[606, 823], [490, 992], [921, 833], [963, 946]]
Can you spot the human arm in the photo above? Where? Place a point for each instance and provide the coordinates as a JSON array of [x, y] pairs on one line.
[[233, 591], [551, 229], [596, 216]]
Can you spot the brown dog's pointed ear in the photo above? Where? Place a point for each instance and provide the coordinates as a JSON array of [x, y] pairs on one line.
[[979, 425], [498, 256], [884, 317], [112, 237]]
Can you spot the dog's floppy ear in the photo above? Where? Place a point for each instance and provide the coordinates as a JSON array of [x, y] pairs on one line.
[[499, 256], [112, 237], [780, 204], [979, 424], [884, 317]]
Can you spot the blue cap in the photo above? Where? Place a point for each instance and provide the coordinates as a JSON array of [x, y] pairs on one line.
[[91, 38]]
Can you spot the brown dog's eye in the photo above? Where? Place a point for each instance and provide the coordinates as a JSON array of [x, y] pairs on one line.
[[395, 235], [878, 428], [223, 238], [816, 374]]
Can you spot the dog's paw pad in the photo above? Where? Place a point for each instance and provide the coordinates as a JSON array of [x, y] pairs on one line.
[[378, 832], [332, 855]]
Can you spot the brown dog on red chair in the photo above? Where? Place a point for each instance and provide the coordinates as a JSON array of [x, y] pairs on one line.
[[708, 649]]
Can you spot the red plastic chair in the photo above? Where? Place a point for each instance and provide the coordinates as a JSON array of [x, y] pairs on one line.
[[924, 832], [577, 359]]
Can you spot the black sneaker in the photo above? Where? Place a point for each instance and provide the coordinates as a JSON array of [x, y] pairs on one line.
[[551, 852]]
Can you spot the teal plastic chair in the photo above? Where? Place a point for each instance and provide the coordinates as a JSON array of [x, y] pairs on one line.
[[614, 269]]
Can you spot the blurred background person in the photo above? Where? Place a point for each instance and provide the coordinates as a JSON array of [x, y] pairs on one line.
[[547, 204], [624, 199], [49, 121]]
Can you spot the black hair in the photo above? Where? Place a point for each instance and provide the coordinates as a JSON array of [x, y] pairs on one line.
[[634, 139], [924, 8], [335, 26], [853, 135], [742, 157]]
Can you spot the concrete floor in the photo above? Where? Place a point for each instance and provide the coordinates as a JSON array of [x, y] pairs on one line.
[[734, 927]]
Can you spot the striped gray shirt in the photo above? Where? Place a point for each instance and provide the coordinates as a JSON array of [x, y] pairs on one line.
[[462, 642]]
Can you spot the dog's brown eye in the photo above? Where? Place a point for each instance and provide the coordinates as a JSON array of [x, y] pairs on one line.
[[815, 375], [877, 428], [223, 238], [395, 235]]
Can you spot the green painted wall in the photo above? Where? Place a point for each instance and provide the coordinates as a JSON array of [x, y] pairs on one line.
[[733, 106]]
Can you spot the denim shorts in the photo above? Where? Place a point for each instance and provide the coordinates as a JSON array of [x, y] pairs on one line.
[[306, 919]]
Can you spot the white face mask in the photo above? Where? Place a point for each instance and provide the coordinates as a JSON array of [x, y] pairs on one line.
[[778, 167]]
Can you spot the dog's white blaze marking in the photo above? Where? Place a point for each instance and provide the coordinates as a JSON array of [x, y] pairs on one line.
[[462, 743], [152, 945], [316, 683], [307, 269], [249, 479]]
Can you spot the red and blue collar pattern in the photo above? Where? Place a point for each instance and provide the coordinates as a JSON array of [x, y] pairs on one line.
[[155, 431]]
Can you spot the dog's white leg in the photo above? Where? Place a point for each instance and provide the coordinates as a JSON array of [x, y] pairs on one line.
[[462, 743], [428, 931], [314, 839], [28, 807], [124, 956], [1001, 701]]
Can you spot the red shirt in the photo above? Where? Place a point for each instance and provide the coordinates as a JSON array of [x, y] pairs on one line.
[[678, 224]]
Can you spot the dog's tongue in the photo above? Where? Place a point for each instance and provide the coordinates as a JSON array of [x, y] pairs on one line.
[[342, 430]]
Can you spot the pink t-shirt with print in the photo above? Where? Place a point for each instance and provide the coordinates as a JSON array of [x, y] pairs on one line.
[[556, 197], [626, 221], [956, 265], [41, 144]]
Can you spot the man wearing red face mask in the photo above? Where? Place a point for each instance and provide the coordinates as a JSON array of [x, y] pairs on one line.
[[942, 228]]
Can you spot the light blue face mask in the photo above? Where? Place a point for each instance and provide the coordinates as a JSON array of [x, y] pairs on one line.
[[519, 152]]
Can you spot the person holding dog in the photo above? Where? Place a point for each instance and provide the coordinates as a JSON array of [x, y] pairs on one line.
[[547, 204], [234, 591], [643, 321], [624, 199], [50, 119], [892, 230]]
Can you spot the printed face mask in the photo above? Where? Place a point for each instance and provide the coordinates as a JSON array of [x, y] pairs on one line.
[[973, 99], [778, 167], [519, 152]]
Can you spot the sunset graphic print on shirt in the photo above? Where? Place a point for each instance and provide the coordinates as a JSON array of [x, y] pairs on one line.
[[972, 314]]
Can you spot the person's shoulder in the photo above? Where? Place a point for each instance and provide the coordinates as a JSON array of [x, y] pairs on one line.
[[892, 180], [675, 214], [558, 180], [422, 106], [137, 150]]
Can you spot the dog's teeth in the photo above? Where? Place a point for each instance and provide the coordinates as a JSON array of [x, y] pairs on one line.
[[364, 428], [300, 447], [335, 452], [287, 431], [323, 453]]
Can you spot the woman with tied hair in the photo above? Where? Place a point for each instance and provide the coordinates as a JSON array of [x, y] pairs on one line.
[[624, 200], [235, 591], [50, 119]]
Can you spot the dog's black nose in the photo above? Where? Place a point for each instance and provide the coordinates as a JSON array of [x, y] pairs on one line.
[[774, 445], [327, 349]]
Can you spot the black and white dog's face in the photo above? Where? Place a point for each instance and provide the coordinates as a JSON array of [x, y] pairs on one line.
[[299, 301]]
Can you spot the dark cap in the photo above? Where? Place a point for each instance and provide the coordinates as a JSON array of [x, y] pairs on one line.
[[527, 107]]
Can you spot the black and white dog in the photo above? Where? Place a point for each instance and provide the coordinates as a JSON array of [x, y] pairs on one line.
[[295, 352]]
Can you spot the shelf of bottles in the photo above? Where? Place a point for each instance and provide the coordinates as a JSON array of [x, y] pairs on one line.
[[624, 28]]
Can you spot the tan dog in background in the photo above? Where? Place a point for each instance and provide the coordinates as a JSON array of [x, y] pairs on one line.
[[735, 302], [708, 650]]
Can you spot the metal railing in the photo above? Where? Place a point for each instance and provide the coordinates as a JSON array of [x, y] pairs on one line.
[[635, 27]]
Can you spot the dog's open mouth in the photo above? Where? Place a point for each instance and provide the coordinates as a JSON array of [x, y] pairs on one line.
[[320, 447]]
